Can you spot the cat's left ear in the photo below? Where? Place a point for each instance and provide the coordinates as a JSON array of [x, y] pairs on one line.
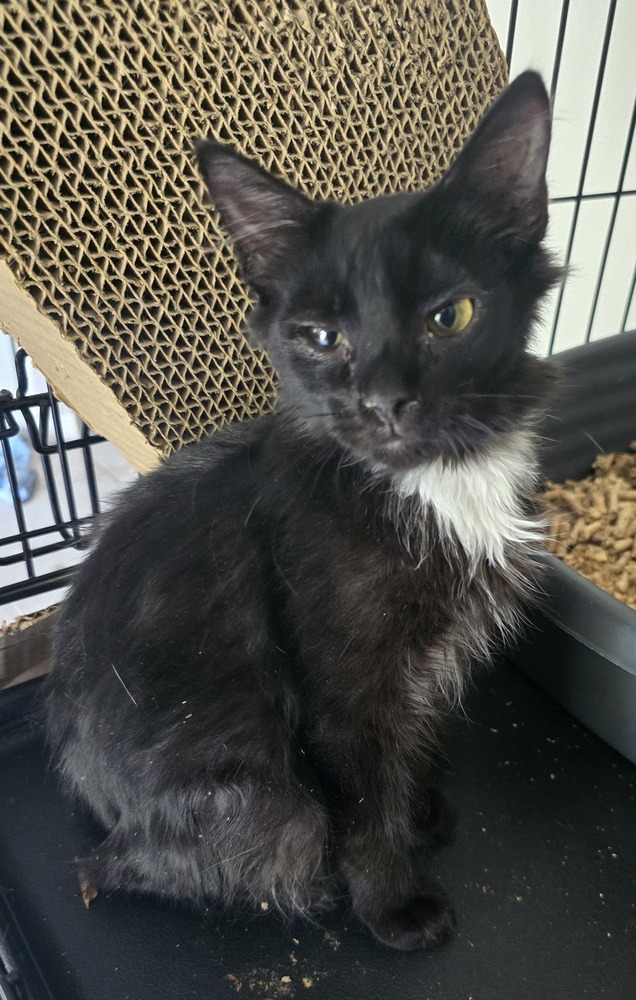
[[265, 218], [502, 166]]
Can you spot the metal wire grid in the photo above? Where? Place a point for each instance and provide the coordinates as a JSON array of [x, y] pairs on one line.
[[579, 197], [68, 526]]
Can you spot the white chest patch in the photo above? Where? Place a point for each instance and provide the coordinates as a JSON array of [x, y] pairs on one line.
[[477, 503]]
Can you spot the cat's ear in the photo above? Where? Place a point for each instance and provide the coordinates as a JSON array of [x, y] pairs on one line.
[[502, 166], [264, 217]]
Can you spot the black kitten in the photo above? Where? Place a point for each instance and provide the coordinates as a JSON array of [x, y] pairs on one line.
[[253, 666]]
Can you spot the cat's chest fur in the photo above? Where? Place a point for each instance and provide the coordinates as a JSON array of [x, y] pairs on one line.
[[479, 513], [480, 504], [413, 579]]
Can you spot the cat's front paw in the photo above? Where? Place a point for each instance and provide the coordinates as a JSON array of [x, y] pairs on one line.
[[424, 921]]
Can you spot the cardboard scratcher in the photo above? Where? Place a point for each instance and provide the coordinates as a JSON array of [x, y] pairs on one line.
[[116, 277]]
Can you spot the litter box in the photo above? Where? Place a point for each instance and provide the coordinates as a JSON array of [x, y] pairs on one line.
[[581, 646]]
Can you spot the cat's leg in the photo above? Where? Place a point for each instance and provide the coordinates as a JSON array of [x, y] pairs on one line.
[[266, 842], [376, 841], [435, 819], [404, 913], [403, 906], [258, 842]]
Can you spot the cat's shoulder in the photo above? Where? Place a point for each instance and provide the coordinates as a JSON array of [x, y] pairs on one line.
[[222, 460], [228, 442]]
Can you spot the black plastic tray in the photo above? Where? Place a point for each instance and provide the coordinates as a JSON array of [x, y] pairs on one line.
[[582, 648], [543, 874]]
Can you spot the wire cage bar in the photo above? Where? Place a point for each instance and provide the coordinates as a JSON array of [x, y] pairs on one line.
[[68, 527], [582, 86]]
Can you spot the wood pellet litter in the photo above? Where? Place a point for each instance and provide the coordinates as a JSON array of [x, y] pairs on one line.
[[592, 523]]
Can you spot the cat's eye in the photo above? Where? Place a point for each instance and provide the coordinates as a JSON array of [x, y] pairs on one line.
[[327, 340], [453, 317]]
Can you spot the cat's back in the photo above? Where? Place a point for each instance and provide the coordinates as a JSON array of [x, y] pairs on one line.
[[194, 484], [163, 554], [175, 503]]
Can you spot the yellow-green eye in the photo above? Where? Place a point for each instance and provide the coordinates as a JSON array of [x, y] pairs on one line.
[[328, 340], [451, 318]]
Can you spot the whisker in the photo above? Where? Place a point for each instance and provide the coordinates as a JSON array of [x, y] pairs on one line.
[[252, 509], [473, 422], [493, 395], [567, 423], [118, 676], [239, 855]]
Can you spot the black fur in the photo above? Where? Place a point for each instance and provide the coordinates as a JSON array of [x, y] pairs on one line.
[[254, 663]]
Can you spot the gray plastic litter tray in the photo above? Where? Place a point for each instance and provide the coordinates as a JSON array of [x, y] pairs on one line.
[[581, 647]]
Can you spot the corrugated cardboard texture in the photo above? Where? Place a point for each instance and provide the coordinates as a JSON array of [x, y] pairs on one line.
[[102, 215]]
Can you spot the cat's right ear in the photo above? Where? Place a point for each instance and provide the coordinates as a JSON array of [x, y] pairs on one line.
[[500, 172], [264, 217]]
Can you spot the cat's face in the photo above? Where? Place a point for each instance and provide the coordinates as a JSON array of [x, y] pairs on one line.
[[399, 325]]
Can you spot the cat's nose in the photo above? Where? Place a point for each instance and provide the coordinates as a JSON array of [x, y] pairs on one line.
[[387, 408]]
